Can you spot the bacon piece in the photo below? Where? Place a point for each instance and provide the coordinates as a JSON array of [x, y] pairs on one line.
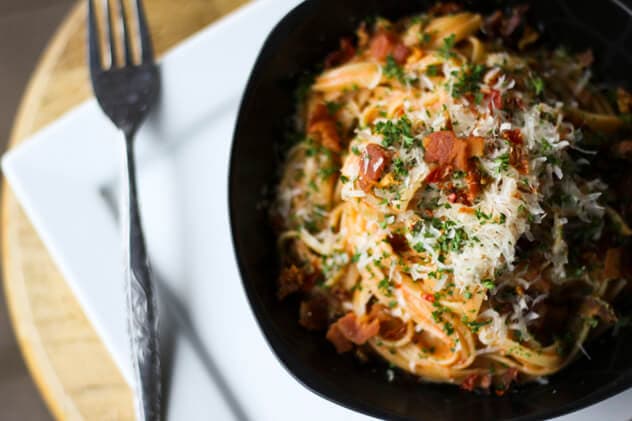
[[473, 381], [381, 45], [447, 150], [485, 381], [317, 113], [391, 328], [476, 145], [384, 43], [495, 100], [513, 136], [437, 174], [313, 312], [505, 380], [509, 376], [322, 127], [398, 242], [327, 132], [469, 383], [358, 329], [340, 341], [352, 329], [374, 161], [400, 53], [342, 55], [291, 280], [516, 158], [444, 148]]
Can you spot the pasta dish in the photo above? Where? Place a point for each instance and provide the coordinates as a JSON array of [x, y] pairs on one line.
[[446, 205]]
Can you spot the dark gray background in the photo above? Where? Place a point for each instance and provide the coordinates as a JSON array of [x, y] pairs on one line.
[[25, 27]]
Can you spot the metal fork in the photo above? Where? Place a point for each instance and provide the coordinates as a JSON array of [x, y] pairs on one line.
[[126, 92]]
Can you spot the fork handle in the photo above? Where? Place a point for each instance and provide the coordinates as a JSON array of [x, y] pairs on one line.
[[142, 311]]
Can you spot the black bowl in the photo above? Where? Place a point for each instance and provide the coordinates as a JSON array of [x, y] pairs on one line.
[[299, 42]]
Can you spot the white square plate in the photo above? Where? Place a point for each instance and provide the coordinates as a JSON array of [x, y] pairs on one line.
[[65, 179]]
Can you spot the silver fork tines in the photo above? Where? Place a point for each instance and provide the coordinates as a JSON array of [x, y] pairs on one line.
[[143, 38], [126, 93]]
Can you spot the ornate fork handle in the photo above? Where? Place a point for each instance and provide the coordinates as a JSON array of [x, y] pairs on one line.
[[126, 87], [141, 296]]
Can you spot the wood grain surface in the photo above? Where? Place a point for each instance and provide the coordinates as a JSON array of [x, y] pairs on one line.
[[70, 365]]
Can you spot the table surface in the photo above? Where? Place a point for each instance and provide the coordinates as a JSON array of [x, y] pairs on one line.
[[71, 367]]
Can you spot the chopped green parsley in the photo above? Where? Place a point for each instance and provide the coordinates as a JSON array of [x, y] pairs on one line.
[[448, 44], [393, 132], [488, 283], [473, 325], [537, 84], [392, 70], [386, 287], [502, 162], [399, 168], [468, 81], [433, 70]]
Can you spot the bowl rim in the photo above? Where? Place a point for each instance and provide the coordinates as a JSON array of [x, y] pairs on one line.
[[296, 369]]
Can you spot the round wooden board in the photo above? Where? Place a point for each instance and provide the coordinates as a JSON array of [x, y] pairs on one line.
[[70, 365]]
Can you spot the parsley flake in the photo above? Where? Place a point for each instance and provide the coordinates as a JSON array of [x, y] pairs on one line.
[[385, 286], [537, 84], [468, 81], [448, 44], [502, 162], [433, 70], [419, 248], [399, 168], [393, 132], [488, 283], [392, 70]]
